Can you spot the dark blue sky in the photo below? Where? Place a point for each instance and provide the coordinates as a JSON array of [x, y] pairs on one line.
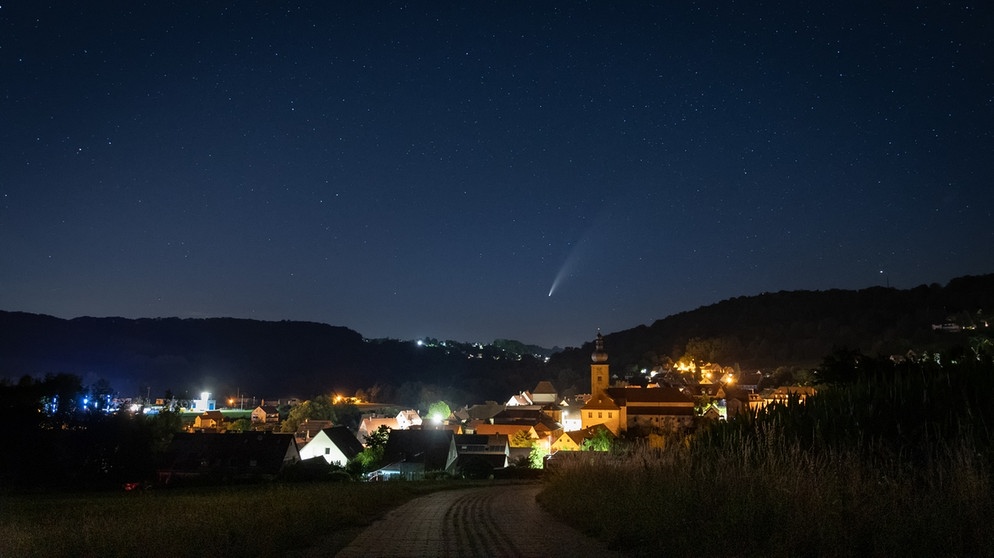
[[413, 170]]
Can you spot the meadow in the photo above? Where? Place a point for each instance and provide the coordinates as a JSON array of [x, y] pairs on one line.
[[280, 519], [897, 462]]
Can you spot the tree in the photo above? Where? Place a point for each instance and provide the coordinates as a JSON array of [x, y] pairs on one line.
[[536, 458], [162, 426], [61, 396], [846, 366], [521, 439], [241, 425], [348, 415], [371, 457], [602, 440], [319, 408], [378, 439], [439, 411], [100, 394]]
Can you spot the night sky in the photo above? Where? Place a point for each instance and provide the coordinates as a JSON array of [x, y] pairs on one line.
[[473, 171]]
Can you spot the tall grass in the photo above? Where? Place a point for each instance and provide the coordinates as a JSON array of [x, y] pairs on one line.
[[254, 520], [891, 465]]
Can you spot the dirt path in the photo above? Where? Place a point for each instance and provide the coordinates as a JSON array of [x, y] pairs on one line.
[[491, 521]]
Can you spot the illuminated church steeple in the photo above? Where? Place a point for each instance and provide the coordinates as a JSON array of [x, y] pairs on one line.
[[600, 376]]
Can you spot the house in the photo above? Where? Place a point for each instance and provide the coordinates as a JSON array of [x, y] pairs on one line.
[[573, 441], [309, 428], [663, 408], [569, 441], [622, 407], [750, 381], [370, 424], [601, 409], [408, 419], [705, 390], [405, 420], [545, 393], [482, 412], [265, 414], [233, 456], [570, 417], [453, 427], [784, 393], [523, 398], [542, 417], [209, 420], [337, 445], [479, 455], [521, 437], [205, 403], [413, 454]]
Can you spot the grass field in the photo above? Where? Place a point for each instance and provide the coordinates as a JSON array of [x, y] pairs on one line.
[[779, 502], [893, 465], [254, 520]]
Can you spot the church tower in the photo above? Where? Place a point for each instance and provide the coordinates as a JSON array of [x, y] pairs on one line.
[[601, 408], [600, 375]]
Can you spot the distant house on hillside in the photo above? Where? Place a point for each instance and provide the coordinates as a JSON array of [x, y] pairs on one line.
[[337, 445]]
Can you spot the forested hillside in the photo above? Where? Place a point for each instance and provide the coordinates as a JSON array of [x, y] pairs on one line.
[[800, 328], [255, 358]]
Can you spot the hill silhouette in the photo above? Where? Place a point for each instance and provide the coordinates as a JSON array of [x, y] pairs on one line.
[[256, 358], [280, 359], [800, 328]]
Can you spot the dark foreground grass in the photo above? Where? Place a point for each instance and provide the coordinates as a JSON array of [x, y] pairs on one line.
[[785, 503], [254, 520]]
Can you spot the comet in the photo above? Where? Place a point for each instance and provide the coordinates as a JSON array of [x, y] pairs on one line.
[[567, 268]]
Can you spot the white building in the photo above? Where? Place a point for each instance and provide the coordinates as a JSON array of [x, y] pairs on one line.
[[204, 404]]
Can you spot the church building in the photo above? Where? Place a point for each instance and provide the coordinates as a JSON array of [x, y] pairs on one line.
[[622, 407]]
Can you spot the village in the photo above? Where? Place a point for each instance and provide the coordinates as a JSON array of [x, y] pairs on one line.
[[529, 430]]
